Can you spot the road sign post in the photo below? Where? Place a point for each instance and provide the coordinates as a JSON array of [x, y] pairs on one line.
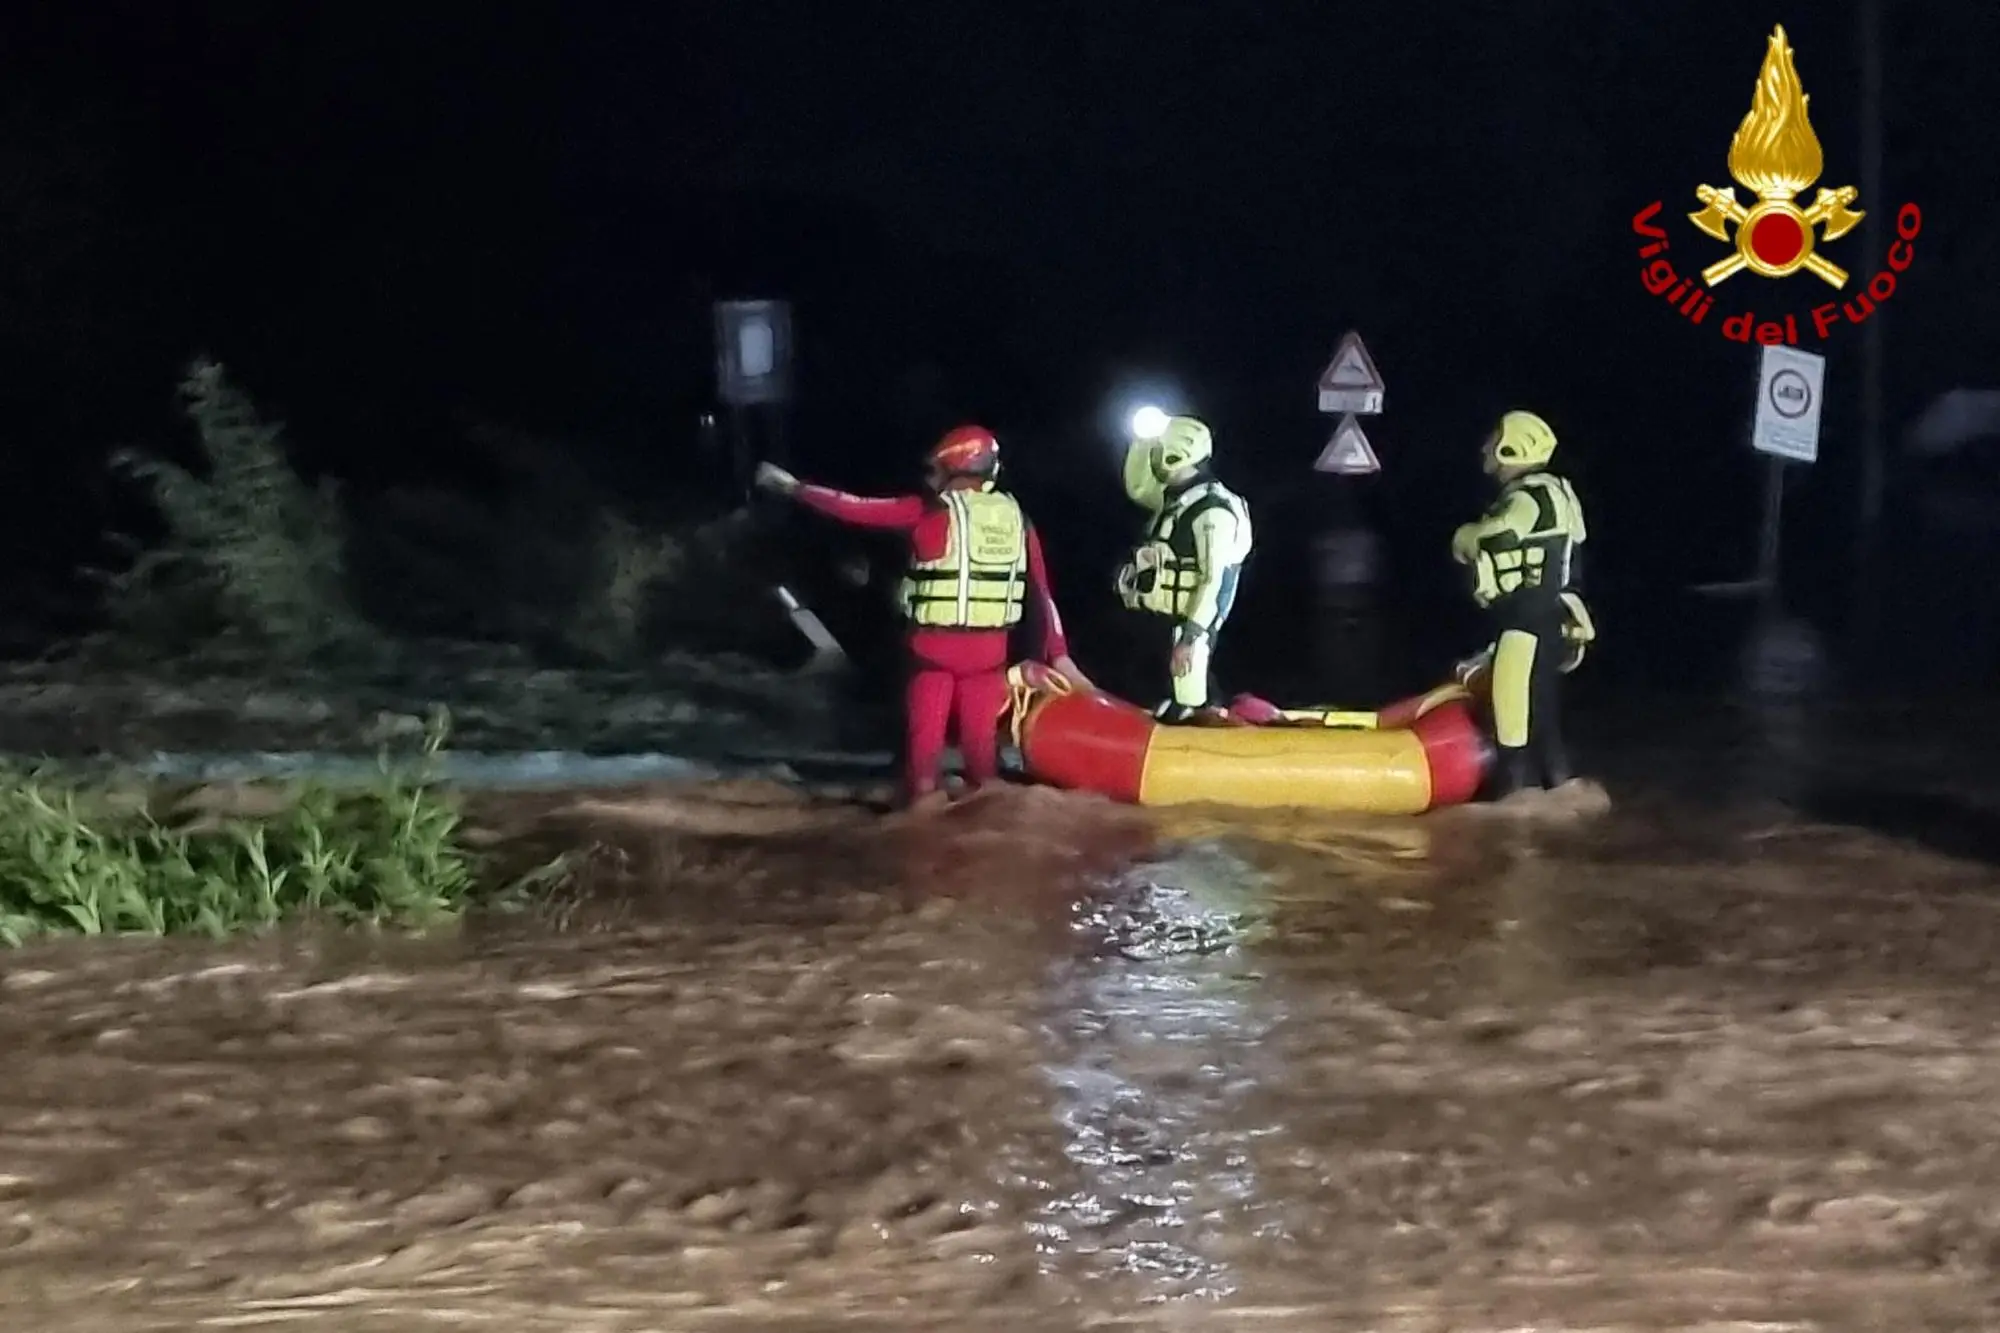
[[1350, 387], [1790, 388], [1774, 524], [753, 377]]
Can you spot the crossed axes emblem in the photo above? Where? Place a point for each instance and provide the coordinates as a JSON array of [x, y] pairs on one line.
[[1829, 209]]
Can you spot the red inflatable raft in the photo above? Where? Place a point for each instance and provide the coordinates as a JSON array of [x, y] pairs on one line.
[[1412, 756]]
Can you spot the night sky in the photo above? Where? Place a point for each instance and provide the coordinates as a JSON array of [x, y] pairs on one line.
[[385, 223]]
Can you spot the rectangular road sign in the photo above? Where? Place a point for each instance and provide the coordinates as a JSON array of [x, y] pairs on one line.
[[1790, 386], [1350, 382], [753, 351]]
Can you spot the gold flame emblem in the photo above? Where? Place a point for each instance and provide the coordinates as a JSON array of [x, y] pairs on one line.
[[1775, 155]]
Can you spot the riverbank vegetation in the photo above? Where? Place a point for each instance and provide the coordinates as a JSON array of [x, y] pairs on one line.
[[85, 856], [251, 554]]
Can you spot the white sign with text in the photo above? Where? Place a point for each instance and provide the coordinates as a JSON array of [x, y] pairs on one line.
[[1790, 387]]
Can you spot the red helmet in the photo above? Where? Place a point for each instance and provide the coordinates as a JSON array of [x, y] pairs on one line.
[[966, 451]]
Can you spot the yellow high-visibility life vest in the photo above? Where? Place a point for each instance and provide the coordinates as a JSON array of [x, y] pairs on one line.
[[980, 581], [1166, 569], [1536, 561]]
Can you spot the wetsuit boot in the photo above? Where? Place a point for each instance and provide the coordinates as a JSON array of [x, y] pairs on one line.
[[1514, 771], [1551, 753], [1555, 765]]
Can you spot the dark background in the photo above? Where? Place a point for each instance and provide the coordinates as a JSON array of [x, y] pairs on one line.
[[385, 219]]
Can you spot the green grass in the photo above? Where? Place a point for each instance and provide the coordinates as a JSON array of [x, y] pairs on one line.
[[74, 860]]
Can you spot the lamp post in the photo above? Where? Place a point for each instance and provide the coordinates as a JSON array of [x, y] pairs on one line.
[[1868, 37]]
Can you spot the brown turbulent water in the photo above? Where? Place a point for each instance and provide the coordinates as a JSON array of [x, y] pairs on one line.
[[788, 1066]]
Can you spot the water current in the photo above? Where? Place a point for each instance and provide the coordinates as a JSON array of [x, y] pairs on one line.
[[1725, 1059]]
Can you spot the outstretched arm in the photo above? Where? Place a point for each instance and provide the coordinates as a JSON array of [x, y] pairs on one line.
[[900, 513], [897, 513]]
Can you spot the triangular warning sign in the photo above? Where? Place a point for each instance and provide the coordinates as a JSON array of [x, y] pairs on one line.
[[1350, 382], [1348, 453], [1351, 367]]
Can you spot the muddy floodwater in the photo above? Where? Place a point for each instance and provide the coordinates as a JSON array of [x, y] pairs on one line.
[[783, 1065]]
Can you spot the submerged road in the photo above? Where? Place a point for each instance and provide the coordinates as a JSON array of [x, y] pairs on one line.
[[1683, 1069], [1728, 1059]]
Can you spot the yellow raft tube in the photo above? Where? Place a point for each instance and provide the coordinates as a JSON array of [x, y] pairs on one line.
[[1415, 755]]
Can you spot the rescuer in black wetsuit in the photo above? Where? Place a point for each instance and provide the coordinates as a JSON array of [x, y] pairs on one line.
[[1524, 554]]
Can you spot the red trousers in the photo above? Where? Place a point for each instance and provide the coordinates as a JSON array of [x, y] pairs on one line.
[[956, 675]]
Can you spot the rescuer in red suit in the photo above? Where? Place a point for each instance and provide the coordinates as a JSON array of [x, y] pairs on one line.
[[975, 567]]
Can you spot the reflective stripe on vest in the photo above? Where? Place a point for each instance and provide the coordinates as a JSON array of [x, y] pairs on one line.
[[1168, 576], [1543, 562], [980, 581]]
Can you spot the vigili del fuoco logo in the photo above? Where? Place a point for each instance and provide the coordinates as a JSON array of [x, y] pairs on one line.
[[1776, 157]]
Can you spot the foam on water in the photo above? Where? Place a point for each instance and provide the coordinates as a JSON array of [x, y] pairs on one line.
[[520, 769]]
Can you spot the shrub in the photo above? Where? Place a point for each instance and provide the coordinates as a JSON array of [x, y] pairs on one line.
[[250, 548], [529, 549], [548, 559], [612, 617], [75, 861]]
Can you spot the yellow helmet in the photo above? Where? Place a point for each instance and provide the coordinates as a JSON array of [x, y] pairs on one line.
[[1142, 483], [1185, 442], [1524, 440]]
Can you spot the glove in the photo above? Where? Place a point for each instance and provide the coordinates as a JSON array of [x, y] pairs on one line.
[[1578, 627], [1464, 671], [1578, 632], [1127, 586], [1072, 673], [771, 477]]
